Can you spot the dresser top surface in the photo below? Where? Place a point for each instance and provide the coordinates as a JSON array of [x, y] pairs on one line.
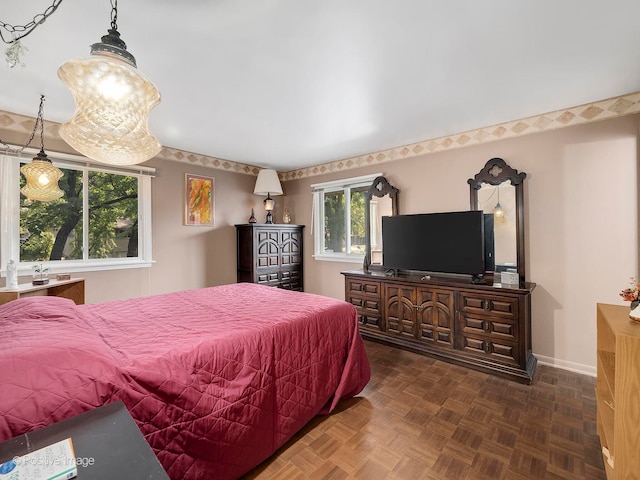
[[443, 280]]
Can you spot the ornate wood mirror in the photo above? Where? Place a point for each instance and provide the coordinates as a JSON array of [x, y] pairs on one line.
[[380, 200], [497, 190]]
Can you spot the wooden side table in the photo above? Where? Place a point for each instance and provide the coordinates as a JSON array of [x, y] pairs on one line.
[[72, 289]]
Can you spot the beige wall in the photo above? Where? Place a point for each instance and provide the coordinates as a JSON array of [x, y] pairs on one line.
[[185, 257], [581, 222], [581, 199]]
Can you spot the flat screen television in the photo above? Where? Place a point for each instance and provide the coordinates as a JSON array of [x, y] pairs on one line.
[[451, 242]]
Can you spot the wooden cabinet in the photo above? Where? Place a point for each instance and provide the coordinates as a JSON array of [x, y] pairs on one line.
[[480, 326], [72, 289], [618, 391], [270, 254], [420, 313]]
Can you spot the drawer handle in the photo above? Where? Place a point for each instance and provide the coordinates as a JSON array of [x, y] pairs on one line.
[[487, 347], [486, 326], [487, 305]]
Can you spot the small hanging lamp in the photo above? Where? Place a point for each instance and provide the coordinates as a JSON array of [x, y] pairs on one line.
[[113, 100], [498, 211], [41, 176]]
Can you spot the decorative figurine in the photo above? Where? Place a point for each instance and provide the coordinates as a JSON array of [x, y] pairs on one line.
[[12, 274], [286, 217], [252, 218]]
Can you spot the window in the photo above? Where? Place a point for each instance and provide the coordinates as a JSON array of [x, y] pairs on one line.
[[103, 221], [338, 213]]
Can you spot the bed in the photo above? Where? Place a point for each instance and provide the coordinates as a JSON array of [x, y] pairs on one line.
[[217, 379]]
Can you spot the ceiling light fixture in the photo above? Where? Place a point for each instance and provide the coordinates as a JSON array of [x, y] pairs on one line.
[[42, 177], [113, 101], [268, 184]]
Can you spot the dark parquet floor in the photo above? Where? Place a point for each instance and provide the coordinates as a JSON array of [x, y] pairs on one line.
[[420, 418]]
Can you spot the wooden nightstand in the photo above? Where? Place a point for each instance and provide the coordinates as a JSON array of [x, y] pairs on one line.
[[72, 289]]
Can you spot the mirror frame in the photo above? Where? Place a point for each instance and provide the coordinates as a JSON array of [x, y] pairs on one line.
[[380, 187], [494, 173]]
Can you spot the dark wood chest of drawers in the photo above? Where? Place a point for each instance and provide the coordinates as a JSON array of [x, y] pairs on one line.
[[270, 254], [480, 326]]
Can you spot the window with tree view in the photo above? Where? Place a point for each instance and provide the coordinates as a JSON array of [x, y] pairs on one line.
[[97, 220], [339, 212]]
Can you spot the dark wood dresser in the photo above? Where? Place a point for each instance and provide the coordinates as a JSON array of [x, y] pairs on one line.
[[480, 326], [270, 254]]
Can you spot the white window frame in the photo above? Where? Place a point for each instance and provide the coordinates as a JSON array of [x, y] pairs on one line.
[[318, 190], [10, 214]]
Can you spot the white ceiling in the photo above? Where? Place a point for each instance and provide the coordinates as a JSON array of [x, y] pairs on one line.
[[292, 83]]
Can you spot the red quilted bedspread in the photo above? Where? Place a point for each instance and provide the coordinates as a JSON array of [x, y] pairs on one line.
[[217, 379]]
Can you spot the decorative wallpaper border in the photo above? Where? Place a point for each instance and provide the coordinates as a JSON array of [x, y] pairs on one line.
[[590, 112], [191, 158]]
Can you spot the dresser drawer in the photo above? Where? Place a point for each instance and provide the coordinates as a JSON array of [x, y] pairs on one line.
[[270, 278], [363, 287], [494, 305], [365, 303], [506, 352], [369, 311], [498, 328]]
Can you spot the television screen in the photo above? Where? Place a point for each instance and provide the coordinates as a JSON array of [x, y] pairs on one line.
[[450, 242]]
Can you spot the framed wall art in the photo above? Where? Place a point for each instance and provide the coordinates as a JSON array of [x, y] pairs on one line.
[[199, 200]]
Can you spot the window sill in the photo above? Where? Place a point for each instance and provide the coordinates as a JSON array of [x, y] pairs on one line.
[[339, 258], [70, 266]]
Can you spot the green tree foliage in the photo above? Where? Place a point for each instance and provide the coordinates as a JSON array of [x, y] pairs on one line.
[[334, 235], [334, 221], [357, 220], [113, 212], [54, 230]]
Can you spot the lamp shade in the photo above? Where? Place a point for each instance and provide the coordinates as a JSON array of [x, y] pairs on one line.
[[113, 100], [42, 179], [268, 183]]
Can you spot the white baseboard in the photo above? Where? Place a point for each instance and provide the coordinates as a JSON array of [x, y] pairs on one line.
[[566, 365]]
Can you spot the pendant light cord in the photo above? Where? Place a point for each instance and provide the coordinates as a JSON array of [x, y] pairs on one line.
[[10, 149]]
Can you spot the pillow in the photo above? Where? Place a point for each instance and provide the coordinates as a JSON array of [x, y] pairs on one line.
[[41, 307]]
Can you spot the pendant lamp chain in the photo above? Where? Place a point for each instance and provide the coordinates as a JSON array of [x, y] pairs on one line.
[[12, 34], [10, 149], [114, 14], [41, 120]]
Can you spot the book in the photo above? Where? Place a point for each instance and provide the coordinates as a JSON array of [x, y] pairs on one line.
[[53, 462]]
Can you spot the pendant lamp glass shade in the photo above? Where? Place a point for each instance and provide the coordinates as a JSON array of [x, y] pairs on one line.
[[42, 179], [498, 211], [113, 100]]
